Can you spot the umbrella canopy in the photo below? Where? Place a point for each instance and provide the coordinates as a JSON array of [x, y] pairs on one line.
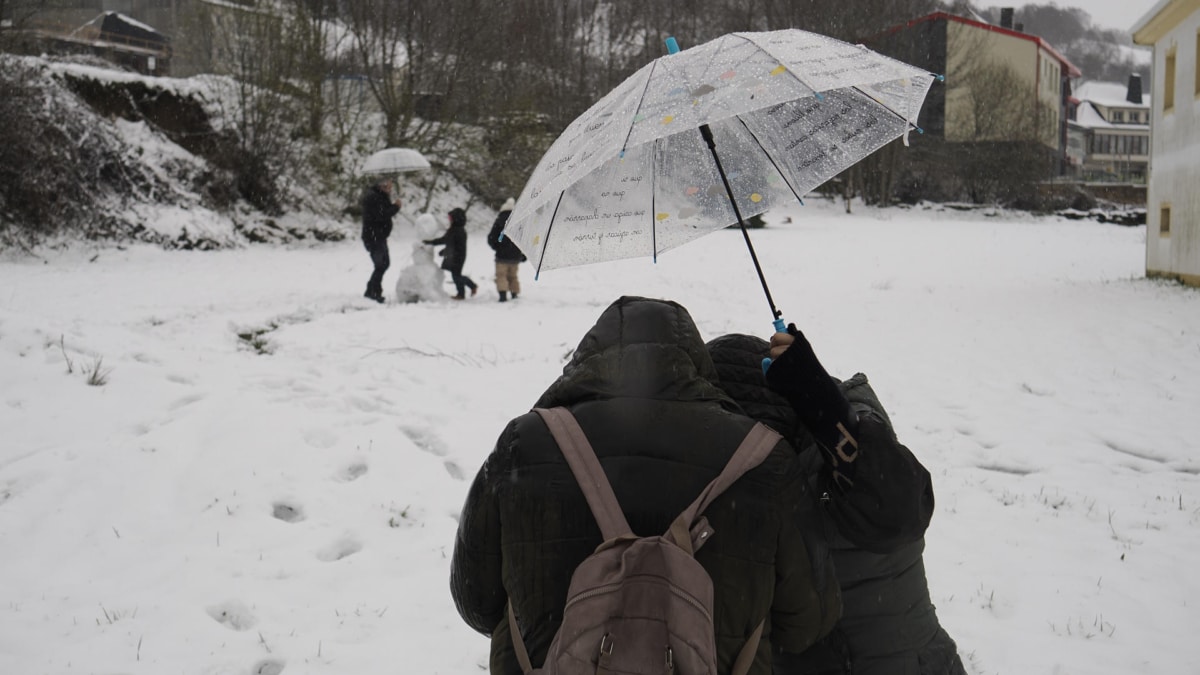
[[783, 111], [394, 160]]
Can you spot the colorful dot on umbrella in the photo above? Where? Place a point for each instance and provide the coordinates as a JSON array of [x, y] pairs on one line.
[[661, 216], [756, 198], [668, 119], [691, 192], [779, 70], [728, 75], [537, 239]]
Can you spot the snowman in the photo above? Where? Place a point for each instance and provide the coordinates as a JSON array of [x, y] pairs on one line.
[[424, 279]]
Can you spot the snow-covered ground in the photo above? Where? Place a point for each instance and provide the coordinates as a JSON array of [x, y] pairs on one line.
[[269, 479]]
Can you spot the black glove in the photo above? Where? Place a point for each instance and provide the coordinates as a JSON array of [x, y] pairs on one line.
[[819, 403], [427, 242]]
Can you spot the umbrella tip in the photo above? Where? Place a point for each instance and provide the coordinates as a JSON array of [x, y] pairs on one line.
[[672, 45], [939, 78]]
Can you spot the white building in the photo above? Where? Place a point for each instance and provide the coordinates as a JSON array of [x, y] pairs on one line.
[[1109, 132], [1172, 27]]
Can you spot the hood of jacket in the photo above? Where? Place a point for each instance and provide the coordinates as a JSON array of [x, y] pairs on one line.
[[639, 348], [458, 218], [737, 358]]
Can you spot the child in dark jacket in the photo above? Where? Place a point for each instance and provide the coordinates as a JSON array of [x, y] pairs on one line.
[[454, 255]]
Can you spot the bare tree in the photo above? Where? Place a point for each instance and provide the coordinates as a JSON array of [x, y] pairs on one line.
[[252, 46], [16, 17]]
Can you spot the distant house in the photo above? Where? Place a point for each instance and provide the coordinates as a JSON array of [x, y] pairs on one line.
[[1172, 27], [1002, 84], [1108, 133], [112, 36]]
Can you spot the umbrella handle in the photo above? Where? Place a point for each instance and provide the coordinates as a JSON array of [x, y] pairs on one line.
[[780, 327]]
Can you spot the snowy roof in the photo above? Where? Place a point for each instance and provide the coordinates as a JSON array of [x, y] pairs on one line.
[[134, 22], [1088, 117], [1109, 95]]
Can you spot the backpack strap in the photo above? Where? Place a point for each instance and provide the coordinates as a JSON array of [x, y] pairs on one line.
[[755, 447], [588, 472], [519, 643]]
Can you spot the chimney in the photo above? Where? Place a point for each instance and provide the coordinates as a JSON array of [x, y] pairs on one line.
[[1006, 17], [1134, 94]]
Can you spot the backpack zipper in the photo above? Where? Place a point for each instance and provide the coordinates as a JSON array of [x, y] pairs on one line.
[[609, 588]]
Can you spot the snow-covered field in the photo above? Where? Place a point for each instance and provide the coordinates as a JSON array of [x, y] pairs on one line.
[[269, 478]]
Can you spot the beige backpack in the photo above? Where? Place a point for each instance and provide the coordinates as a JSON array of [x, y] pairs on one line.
[[639, 605]]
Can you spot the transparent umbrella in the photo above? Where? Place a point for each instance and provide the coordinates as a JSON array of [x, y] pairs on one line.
[[393, 161], [701, 139]]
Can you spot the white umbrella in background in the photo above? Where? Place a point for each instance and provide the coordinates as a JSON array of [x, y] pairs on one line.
[[393, 161]]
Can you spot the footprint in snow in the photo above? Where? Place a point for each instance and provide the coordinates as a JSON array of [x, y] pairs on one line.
[[455, 471], [185, 401], [267, 667], [353, 472], [232, 614], [288, 513], [321, 439], [344, 547], [425, 440]]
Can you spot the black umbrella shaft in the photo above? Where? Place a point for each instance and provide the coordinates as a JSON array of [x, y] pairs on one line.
[[712, 146]]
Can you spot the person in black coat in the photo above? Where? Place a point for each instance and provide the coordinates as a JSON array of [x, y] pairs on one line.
[[508, 256], [643, 388], [879, 503], [378, 208], [454, 255]]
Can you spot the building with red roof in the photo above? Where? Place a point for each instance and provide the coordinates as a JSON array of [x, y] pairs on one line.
[[1001, 85]]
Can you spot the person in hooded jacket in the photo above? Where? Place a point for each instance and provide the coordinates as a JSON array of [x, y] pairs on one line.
[[643, 389], [879, 502], [378, 208], [508, 256], [454, 255]]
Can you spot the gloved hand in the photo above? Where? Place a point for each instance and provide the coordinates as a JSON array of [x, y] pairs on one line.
[[797, 375]]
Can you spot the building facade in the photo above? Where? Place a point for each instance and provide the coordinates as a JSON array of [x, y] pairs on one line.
[[1172, 28], [1002, 84], [1108, 133]]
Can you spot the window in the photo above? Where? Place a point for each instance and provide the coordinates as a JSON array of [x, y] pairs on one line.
[[1164, 220], [1169, 82], [1118, 116]]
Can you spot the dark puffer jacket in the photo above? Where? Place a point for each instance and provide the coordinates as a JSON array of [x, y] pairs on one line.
[[377, 212], [641, 385], [454, 256], [506, 250], [888, 624]]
